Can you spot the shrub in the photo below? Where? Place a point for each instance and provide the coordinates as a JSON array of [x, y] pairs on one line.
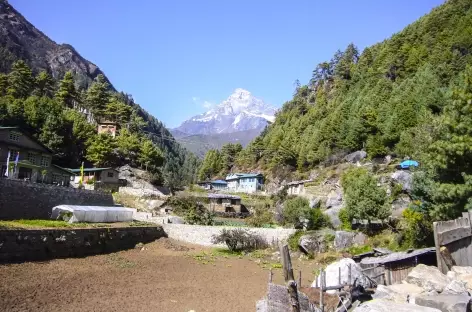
[[344, 218], [295, 209], [191, 210], [417, 229], [293, 240], [262, 217], [318, 220], [364, 199], [240, 239]]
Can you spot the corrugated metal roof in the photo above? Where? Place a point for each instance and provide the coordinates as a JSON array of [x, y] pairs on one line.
[[228, 196], [236, 176], [91, 169], [299, 182], [219, 182], [397, 256]]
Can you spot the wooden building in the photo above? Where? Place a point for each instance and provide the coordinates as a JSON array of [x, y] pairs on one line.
[[297, 187], [225, 203], [393, 268]]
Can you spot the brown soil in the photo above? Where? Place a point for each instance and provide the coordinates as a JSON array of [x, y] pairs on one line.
[[162, 276]]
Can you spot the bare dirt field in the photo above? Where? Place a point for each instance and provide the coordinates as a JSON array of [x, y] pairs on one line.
[[162, 276]]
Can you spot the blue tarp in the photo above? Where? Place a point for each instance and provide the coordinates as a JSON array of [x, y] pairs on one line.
[[409, 163]]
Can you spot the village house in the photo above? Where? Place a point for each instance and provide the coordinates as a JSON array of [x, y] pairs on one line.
[[225, 203], [107, 126], [34, 159], [98, 178], [245, 182], [297, 187], [219, 185]]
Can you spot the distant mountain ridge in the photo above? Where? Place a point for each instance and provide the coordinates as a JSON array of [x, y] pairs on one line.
[[239, 118], [19, 39]]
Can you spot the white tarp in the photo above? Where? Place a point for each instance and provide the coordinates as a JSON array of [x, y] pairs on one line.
[[94, 214]]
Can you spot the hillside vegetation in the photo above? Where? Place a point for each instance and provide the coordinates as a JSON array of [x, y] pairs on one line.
[[408, 96], [54, 113]]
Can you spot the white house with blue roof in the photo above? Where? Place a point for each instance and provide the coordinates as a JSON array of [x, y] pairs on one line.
[[245, 182]]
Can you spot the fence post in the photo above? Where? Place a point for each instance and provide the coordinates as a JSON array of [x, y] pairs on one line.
[[321, 290], [289, 278], [349, 275]]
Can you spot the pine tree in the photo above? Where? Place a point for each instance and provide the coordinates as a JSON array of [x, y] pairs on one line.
[[67, 94], [117, 111], [3, 84], [20, 80], [101, 150], [98, 96], [44, 85], [150, 156], [128, 145]]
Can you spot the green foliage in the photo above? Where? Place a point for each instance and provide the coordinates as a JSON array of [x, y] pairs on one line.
[[150, 156], [20, 80], [345, 219], [298, 209], [98, 96], [239, 240], [262, 217], [67, 94], [191, 210], [364, 199], [357, 250], [417, 229], [101, 150], [211, 166], [294, 238]]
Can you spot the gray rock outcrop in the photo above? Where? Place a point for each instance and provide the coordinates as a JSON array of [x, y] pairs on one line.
[[333, 214], [344, 239], [445, 303], [315, 242], [389, 306], [400, 293], [404, 178], [332, 272], [334, 199], [315, 202], [456, 287], [356, 156], [400, 204], [428, 277]]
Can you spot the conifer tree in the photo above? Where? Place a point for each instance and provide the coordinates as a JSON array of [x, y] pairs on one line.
[[67, 94], [44, 85], [20, 80]]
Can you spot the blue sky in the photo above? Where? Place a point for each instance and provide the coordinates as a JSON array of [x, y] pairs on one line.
[[178, 57]]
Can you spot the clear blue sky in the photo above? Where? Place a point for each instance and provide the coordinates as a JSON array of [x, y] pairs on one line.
[[175, 57]]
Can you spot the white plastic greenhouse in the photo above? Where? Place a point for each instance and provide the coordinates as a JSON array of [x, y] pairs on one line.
[[94, 214]]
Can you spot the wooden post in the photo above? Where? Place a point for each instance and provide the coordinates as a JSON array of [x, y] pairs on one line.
[[300, 278], [446, 256], [270, 275], [439, 260], [339, 276], [321, 290], [289, 278]]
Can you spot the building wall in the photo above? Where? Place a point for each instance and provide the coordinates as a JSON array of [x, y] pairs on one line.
[[220, 206], [109, 179], [298, 189], [26, 200], [23, 141], [24, 245]]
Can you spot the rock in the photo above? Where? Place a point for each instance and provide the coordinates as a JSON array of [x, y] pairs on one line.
[[382, 305], [466, 278], [445, 303], [261, 306], [314, 243], [332, 272], [428, 277], [404, 178], [456, 288], [400, 204], [345, 239], [461, 269], [335, 199], [176, 220], [333, 214], [356, 156], [315, 202], [139, 246], [401, 293], [452, 275]]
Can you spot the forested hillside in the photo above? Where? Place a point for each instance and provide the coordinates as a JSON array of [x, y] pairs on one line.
[[62, 117], [406, 96]]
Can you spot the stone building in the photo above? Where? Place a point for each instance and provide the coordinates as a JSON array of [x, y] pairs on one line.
[[225, 203]]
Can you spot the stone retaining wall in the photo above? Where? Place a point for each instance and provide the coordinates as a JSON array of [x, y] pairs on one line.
[[201, 235], [24, 245], [26, 200]]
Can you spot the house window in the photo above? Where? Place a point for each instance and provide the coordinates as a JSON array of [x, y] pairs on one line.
[[44, 161], [14, 136], [32, 158], [110, 174]]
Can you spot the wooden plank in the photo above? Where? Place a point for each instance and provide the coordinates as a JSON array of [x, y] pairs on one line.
[[453, 235], [438, 254], [289, 278], [446, 255]]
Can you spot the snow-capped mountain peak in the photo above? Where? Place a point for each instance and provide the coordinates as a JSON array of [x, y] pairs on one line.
[[239, 112]]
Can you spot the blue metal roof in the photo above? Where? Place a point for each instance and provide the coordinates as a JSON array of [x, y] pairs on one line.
[[409, 163], [236, 176], [219, 182]]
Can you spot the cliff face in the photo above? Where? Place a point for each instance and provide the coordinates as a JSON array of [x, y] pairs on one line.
[[19, 39]]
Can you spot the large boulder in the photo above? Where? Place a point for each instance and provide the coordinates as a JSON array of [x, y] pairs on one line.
[[456, 287], [334, 199], [462, 269], [404, 178], [315, 242], [343, 240], [356, 156], [332, 273], [315, 202], [333, 214], [400, 293], [400, 204], [428, 277], [389, 306], [445, 303]]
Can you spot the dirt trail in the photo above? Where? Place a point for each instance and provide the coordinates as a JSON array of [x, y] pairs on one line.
[[165, 276]]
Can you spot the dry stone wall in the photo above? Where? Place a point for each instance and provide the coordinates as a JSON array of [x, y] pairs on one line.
[[26, 200], [30, 245]]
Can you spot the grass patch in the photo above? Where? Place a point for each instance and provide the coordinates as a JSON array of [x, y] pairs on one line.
[[357, 250], [58, 224], [326, 258]]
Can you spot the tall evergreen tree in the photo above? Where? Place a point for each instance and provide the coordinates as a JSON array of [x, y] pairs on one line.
[[20, 80], [67, 94], [44, 85], [98, 96]]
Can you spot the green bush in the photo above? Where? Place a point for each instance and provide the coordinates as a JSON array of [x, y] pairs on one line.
[[191, 210], [357, 250], [397, 189], [318, 220], [297, 209], [344, 218], [294, 239], [364, 199], [240, 239], [262, 217], [417, 229]]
